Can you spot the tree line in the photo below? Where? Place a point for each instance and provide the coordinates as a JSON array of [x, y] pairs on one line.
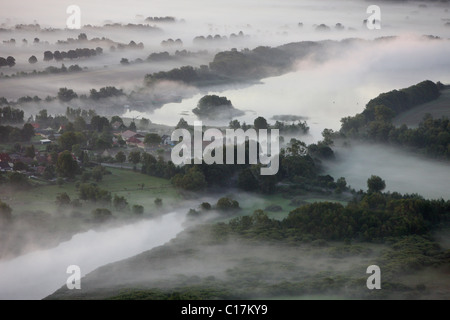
[[431, 137]]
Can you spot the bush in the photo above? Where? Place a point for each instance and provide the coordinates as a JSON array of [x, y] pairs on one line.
[[158, 202], [227, 204], [138, 209], [119, 202], [205, 206], [101, 215]]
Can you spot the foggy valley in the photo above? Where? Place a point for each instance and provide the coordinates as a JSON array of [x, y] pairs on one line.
[[86, 152]]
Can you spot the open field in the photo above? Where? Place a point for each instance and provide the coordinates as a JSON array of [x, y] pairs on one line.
[[437, 108], [121, 182]]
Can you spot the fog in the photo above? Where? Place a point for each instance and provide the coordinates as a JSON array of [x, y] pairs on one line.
[[403, 172], [326, 92], [195, 259], [271, 23], [321, 88], [37, 274]]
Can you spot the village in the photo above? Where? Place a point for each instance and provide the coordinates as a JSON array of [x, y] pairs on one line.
[[34, 158]]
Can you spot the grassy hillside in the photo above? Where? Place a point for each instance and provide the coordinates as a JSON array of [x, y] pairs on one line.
[[437, 108]]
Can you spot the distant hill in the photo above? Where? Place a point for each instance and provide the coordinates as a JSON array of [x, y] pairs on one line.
[[437, 108]]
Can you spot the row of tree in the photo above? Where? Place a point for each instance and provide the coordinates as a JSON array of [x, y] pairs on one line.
[[10, 115], [431, 137], [72, 54], [374, 217], [7, 62]]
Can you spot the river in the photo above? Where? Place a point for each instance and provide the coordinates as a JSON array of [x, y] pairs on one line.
[[40, 273]]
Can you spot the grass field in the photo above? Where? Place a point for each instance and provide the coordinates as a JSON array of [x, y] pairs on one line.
[[121, 182], [437, 108]]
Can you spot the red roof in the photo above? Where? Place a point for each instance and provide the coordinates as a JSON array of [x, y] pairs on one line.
[[134, 140], [36, 125], [4, 157]]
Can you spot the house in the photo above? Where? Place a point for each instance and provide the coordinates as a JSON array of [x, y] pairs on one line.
[[5, 166], [40, 170], [167, 140], [128, 134], [14, 157], [133, 141], [4, 157], [45, 141]]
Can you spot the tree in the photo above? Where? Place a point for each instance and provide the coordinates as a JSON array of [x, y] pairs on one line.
[[99, 123], [27, 132], [158, 202], [16, 179], [58, 55], [79, 124], [10, 61], [132, 126], [19, 166], [30, 152], [193, 180], [67, 140], [121, 157], [66, 165], [138, 209], [152, 138], [5, 212], [116, 119], [85, 176], [247, 180], [211, 106], [66, 95], [119, 202], [93, 193], [205, 206], [97, 173], [49, 172], [124, 61], [341, 183], [375, 184], [62, 199], [48, 55], [234, 124], [144, 123], [42, 116], [134, 157], [227, 204], [260, 123], [32, 60], [101, 215], [182, 124]]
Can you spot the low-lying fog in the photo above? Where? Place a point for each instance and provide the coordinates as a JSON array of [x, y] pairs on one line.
[[403, 172], [321, 92], [40, 273], [324, 93]]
